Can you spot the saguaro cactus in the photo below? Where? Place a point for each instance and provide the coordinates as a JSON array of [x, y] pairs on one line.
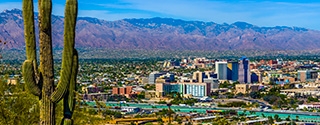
[[40, 82]]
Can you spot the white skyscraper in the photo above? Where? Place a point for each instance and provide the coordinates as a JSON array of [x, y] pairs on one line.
[[221, 70]]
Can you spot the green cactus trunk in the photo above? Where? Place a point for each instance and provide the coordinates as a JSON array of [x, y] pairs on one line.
[[41, 83], [47, 108]]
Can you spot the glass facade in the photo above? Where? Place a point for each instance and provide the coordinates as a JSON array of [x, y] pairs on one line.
[[244, 70], [195, 89]]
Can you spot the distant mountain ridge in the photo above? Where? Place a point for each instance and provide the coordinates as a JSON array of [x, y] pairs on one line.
[[165, 34]]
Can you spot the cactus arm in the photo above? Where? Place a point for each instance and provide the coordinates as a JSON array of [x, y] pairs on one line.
[[71, 12], [73, 81], [29, 30], [29, 78], [69, 98]]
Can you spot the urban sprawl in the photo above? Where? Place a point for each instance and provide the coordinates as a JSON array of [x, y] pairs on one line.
[[200, 91]]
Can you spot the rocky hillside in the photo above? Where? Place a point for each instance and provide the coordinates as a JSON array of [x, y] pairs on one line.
[[165, 34]]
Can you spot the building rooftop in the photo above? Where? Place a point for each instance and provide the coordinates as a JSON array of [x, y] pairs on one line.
[[254, 121], [204, 118]]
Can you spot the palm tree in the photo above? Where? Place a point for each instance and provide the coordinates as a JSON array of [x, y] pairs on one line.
[[270, 120], [252, 112], [169, 112], [276, 117]]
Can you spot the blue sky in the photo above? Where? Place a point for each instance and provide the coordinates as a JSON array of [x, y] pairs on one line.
[[300, 13]]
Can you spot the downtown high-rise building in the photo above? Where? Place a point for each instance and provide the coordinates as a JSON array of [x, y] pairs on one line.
[[244, 70], [221, 70], [233, 70]]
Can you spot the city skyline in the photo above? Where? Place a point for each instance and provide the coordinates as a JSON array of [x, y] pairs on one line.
[[261, 13]]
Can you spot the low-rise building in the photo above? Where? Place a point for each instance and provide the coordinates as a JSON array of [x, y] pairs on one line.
[[12, 81], [247, 88], [195, 89], [242, 88], [127, 91]]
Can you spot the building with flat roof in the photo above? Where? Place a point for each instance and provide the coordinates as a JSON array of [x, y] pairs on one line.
[[197, 89], [194, 89], [244, 70], [242, 88], [307, 75], [199, 76], [12, 81], [153, 76], [221, 70], [233, 71], [214, 83], [247, 88], [126, 91], [253, 122]]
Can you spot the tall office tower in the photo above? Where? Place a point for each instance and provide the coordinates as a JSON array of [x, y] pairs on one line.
[[221, 70], [244, 70], [153, 76], [199, 76], [233, 71]]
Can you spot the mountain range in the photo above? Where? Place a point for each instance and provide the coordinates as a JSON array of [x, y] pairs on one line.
[[164, 34]]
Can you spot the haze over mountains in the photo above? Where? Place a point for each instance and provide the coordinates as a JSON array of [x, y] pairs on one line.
[[165, 34]]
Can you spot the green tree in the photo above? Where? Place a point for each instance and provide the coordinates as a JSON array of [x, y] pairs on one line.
[[141, 95], [277, 118], [16, 106], [270, 120], [288, 118]]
